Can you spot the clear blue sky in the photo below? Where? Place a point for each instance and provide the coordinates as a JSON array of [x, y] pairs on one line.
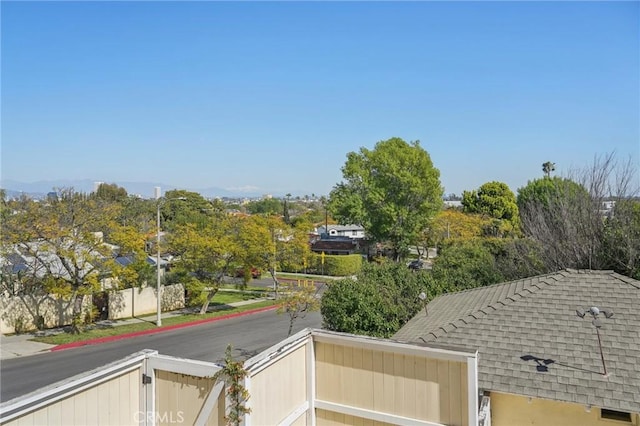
[[273, 95]]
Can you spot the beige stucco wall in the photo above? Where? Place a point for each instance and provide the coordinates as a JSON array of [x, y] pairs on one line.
[[56, 311], [383, 381], [132, 302], [115, 402], [515, 410], [279, 389]]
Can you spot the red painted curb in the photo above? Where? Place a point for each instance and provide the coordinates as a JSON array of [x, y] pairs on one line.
[[157, 330]]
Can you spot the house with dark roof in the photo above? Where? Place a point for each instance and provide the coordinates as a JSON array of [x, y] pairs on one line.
[[558, 349], [335, 246]]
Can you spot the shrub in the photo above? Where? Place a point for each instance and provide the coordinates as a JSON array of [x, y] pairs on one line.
[[377, 302], [337, 265]]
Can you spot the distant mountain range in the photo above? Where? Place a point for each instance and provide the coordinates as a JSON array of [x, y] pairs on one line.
[[145, 189]]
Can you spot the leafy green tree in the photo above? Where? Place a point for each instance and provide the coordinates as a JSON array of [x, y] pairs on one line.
[[378, 301], [258, 247], [111, 192], [267, 206], [496, 200], [392, 191], [65, 238], [180, 207], [546, 191], [461, 265], [139, 213], [204, 254], [270, 244], [132, 243]]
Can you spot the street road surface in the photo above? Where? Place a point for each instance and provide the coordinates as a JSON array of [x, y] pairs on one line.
[[249, 336]]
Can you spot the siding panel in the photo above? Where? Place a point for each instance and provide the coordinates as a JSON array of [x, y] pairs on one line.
[[410, 386], [279, 389]]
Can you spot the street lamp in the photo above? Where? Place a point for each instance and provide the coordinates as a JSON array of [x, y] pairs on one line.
[[158, 289], [423, 296], [160, 203]]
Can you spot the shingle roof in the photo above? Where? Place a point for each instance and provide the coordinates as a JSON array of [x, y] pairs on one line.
[[536, 319], [334, 245]]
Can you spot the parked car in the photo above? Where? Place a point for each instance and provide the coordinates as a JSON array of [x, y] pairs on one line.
[[416, 265], [255, 273]]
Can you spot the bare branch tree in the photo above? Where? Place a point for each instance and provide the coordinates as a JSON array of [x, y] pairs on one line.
[[574, 218]]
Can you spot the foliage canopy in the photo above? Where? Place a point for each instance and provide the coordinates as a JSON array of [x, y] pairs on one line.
[[496, 200], [392, 191], [377, 302]]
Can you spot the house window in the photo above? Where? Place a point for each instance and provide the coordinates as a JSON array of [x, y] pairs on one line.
[[354, 232], [622, 416]]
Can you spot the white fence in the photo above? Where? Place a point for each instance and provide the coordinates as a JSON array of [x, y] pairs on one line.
[[312, 378]]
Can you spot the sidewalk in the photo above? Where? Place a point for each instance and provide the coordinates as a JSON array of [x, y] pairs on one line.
[[20, 345]]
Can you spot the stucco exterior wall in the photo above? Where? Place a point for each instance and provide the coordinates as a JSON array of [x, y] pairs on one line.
[[17, 314], [132, 302], [17, 317], [516, 410]]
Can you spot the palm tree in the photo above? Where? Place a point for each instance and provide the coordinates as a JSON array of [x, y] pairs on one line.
[[548, 167]]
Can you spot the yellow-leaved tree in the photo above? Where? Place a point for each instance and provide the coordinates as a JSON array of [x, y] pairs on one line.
[[62, 240], [204, 254]]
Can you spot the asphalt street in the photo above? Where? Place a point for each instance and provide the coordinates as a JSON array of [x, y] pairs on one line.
[[248, 335]]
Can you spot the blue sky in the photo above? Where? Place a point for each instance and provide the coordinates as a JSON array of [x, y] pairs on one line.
[[273, 95]]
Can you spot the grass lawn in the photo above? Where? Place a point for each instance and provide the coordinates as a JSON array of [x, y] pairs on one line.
[[224, 297], [292, 276], [110, 330]]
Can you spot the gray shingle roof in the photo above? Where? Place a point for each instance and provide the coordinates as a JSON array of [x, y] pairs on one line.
[[535, 318]]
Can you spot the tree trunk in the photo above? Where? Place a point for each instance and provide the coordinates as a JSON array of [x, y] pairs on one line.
[[275, 283], [291, 320], [205, 305], [76, 318]]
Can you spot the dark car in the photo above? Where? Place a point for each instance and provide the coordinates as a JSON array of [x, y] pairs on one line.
[[255, 273], [416, 265]]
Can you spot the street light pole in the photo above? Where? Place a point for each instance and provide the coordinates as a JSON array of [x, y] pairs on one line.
[[158, 287], [159, 202]]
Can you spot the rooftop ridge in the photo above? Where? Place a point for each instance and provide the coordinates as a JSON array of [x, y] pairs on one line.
[[627, 280], [548, 279]]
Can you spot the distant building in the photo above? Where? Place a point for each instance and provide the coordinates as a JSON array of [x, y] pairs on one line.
[[453, 204], [352, 231]]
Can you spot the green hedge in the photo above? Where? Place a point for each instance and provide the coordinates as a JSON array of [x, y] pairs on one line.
[[336, 265]]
